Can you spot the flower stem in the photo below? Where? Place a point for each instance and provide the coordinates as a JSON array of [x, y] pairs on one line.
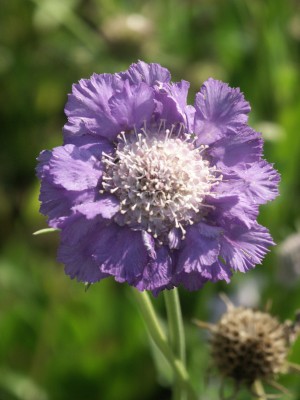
[[157, 334], [259, 390], [176, 330], [176, 334]]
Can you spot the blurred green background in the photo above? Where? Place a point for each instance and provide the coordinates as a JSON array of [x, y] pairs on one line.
[[57, 341]]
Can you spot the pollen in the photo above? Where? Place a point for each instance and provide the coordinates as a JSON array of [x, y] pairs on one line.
[[160, 179]]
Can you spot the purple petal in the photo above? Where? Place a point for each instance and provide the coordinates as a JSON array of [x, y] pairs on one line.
[[191, 281], [42, 169], [148, 73], [106, 207], [260, 181], [149, 244], [121, 252], [77, 228], [88, 110], [179, 91], [234, 210], [220, 110], [200, 248], [95, 145], [217, 272], [157, 273], [74, 168], [174, 238], [173, 108], [77, 258], [132, 105], [92, 249], [244, 147], [57, 202], [78, 265], [79, 238], [242, 249]]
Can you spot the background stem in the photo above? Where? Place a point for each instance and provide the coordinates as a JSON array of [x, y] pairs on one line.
[[259, 390]]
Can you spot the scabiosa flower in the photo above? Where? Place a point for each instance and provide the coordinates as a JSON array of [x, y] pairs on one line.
[[152, 191]]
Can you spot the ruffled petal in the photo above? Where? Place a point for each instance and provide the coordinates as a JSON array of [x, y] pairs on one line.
[[132, 105], [199, 249], [121, 253], [244, 147], [260, 181], [149, 243], [66, 181], [57, 203], [42, 169], [220, 111], [78, 241], [148, 73], [106, 207], [88, 110], [217, 272], [96, 248], [174, 238], [173, 104], [232, 210], [74, 169], [95, 145], [157, 273], [255, 182], [242, 249], [191, 281]]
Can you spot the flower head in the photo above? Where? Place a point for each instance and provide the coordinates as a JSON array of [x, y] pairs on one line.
[[151, 190], [251, 346]]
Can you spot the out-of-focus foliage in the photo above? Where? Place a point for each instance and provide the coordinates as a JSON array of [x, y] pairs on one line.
[[56, 340]]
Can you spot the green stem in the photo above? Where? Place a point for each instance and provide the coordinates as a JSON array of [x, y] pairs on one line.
[[157, 334], [176, 330], [176, 334], [259, 390]]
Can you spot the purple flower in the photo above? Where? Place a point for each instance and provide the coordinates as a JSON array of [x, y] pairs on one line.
[[153, 191]]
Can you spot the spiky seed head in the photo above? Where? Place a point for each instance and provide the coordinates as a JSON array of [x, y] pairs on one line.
[[248, 345]]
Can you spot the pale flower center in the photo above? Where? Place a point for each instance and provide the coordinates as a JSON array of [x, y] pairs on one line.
[[161, 181]]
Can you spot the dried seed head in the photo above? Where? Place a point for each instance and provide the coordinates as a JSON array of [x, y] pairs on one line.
[[248, 345], [251, 346]]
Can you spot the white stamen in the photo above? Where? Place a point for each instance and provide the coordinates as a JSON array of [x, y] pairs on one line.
[[161, 179]]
